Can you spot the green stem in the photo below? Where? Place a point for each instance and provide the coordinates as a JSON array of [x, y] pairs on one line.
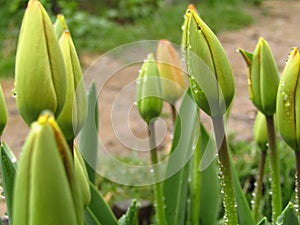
[[229, 200], [196, 184], [259, 182], [297, 155], [275, 174], [158, 193]]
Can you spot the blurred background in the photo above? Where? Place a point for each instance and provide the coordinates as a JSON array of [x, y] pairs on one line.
[[98, 26]]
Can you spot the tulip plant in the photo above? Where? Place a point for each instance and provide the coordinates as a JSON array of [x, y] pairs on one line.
[[54, 179]]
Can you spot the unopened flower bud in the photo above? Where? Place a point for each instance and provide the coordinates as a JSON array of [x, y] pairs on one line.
[[74, 111], [46, 188], [288, 101], [170, 70], [260, 131], [40, 72], [148, 95], [210, 75], [263, 77]]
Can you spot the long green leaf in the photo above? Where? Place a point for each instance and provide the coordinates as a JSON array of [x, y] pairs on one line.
[[90, 218], [100, 208], [8, 171], [288, 216], [243, 209], [131, 216], [175, 188], [210, 195], [88, 138], [264, 221]]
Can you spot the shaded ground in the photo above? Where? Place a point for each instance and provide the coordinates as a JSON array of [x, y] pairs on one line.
[[276, 21]]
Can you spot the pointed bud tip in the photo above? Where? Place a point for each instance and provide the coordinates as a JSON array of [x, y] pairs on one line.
[[46, 117]]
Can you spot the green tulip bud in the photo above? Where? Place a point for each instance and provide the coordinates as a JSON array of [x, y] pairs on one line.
[[46, 189], [40, 72], [170, 71], [74, 111], [263, 77], [288, 101], [210, 76], [82, 175], [3, 112], [260, 131], [148, 93], [60, 25]]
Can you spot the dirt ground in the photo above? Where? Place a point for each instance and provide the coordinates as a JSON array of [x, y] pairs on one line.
[[276, 21]]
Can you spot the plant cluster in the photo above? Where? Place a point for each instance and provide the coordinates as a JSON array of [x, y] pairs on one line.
[[54, 180]]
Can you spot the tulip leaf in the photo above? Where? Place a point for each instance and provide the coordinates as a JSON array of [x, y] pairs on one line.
[[88, 138], [90, 218], [264, 221], [210, 201], [99, 208], [8, 171], [131, 216], [175, 188], [288, 216], [244, 212]]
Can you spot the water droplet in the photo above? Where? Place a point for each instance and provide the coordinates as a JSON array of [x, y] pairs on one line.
[[14, 93], [268, 145], [151, 170]]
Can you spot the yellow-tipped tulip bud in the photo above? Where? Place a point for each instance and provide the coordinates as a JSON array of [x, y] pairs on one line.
[[260, 131], [3, 112], [40, 72], [263, 77], [170, 70], [210, 74], [46, 188], [82, 175], [288, 101], [148, 95], [74, 111], [60, 25]]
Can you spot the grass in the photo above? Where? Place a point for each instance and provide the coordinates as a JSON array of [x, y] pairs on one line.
[[99, 34]]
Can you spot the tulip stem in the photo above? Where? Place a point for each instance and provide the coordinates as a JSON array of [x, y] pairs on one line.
[[275, 174], [229, 201], [158, 193], [259, 182], [196, 183], [297, 154]]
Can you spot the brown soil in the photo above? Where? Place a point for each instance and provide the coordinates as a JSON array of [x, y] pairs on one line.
[[276, 21]]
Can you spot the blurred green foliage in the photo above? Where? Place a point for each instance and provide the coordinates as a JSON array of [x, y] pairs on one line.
[[98, 26], [246, 158]]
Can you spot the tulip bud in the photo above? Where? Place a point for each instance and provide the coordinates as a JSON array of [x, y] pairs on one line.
[[60, 25], [263, 77], [82, 175], [46, 189], [148, 95], [170, 70], [288, 101], [260, 131], [210, 76], [74, 111], [40, 72], [3, 112]]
